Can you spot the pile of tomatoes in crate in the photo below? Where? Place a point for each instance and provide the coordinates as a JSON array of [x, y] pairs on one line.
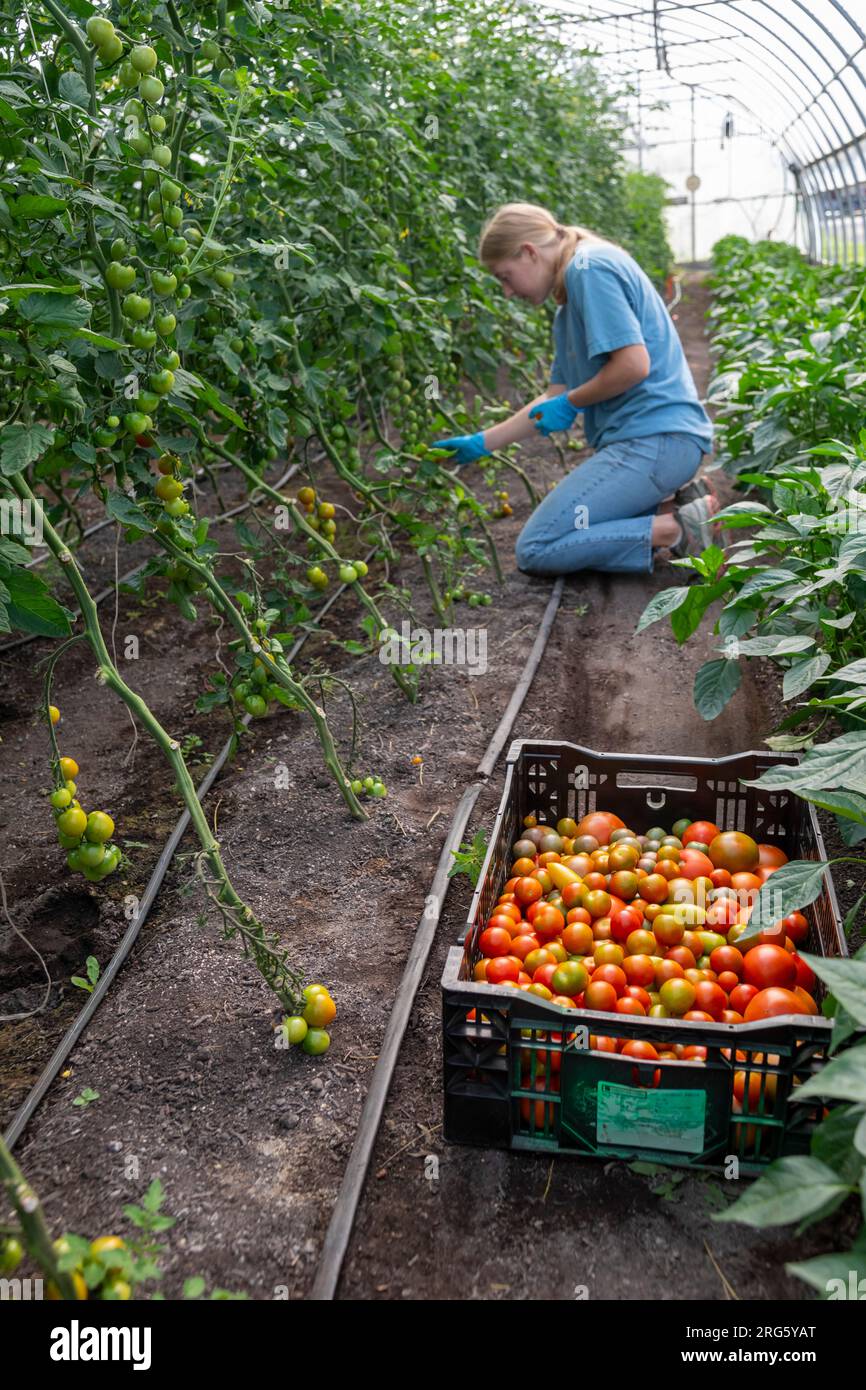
[[595, 916]]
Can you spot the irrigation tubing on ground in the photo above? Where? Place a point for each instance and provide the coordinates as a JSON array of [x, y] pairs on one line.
[[74, 1032], [348, 1199]]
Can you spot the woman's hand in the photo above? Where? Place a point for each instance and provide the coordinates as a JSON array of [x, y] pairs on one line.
[[466, 448], [555, 414]]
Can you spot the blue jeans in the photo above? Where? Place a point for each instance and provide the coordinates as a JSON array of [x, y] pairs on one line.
[[600, 517]]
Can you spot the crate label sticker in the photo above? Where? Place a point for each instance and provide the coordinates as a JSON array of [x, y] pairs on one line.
[[651, 1119]]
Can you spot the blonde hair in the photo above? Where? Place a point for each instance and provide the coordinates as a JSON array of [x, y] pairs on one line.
[[512, 224]]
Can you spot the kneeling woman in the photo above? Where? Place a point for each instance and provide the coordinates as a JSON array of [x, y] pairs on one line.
[[619, 360]]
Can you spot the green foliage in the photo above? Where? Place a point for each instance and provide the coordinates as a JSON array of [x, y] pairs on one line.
[[469, 858], [646, 235]]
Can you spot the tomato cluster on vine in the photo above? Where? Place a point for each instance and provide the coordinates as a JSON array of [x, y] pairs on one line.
[[85, 837]]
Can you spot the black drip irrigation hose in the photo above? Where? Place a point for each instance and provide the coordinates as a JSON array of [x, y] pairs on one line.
[[348, 1200], [74, 1032]]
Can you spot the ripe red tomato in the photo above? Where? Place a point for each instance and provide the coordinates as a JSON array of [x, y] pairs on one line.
[[637, 1048], [693, 864], [548, 922], [528, 890], [728, 980], [627, 920], [639, 993], [721, 878], [545, 973], [734, 851], [600, 995], [741, 997], [639, 970], [805, 975], [599, 824], [770, 1003], [694, 1053], [727, 958], [702, 830], [502, 968], [522, 945], [653, 888], [767, 966], [600, 1042], [771, 857], [710, 997], [612, 975], [627, 1005], [495, 941], [577, 939], [806, 1000], [500, 922], [796, 926], [699, 1016], [508, 909]]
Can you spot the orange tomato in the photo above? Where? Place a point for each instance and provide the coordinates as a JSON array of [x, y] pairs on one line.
[[599, 824]]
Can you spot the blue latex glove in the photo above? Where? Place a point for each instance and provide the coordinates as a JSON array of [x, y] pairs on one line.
[[556, 414], [466, 448]]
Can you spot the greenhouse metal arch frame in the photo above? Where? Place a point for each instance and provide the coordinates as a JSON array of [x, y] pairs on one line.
[[800, 72]]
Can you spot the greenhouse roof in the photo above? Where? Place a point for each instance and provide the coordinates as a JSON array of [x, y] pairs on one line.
[[793, 72]]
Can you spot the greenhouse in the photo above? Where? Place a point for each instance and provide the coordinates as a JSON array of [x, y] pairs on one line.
[[433, 663]]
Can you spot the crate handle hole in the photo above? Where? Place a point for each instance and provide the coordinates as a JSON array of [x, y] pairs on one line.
[[661, 781]]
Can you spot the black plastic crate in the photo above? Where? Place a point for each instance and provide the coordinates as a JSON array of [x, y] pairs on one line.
[[598, 1104]]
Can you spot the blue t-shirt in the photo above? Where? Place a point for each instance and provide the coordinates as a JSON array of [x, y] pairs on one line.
[[611, 304]]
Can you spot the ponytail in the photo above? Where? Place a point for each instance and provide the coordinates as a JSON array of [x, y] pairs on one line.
[[512, 224]]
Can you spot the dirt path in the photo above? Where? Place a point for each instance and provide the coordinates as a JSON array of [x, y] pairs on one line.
[[250, 1141]]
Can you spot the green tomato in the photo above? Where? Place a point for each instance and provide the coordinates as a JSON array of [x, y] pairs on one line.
[[378, 790], [165, 324], [256, 706], [12, 1251], [169, 360], [150, 178], [151, 90], [177, 245], [143, 338], [184, 292], [224, 278], [120, 277], [162, 155], [140, 143], [171, 191], [73, 860], [133, 109], [143, 59], [157, 123], [127, 75], [294, 1028], [105, 439], [176, 508], [109, 52], [91, 855], [361, 568], [60, 799], [99, 31], [173, 216], [228, 78], [245, 601], [148, 401], [162, 382], [135, 422], [357, 786], [209, 51], [317, 1041], [113, 422], [163, 284], [136, 307], [348, 574], [119, 249], [369, 783]]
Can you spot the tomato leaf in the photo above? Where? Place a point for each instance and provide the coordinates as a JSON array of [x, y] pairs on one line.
[[661, 604], [793, 886], [123, 509], [842, 1079], [792, 1188], [21, 445], [715, 684], [845, 978]]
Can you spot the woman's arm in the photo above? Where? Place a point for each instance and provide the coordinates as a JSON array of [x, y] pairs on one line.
[[624, 368], [519, 426]]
